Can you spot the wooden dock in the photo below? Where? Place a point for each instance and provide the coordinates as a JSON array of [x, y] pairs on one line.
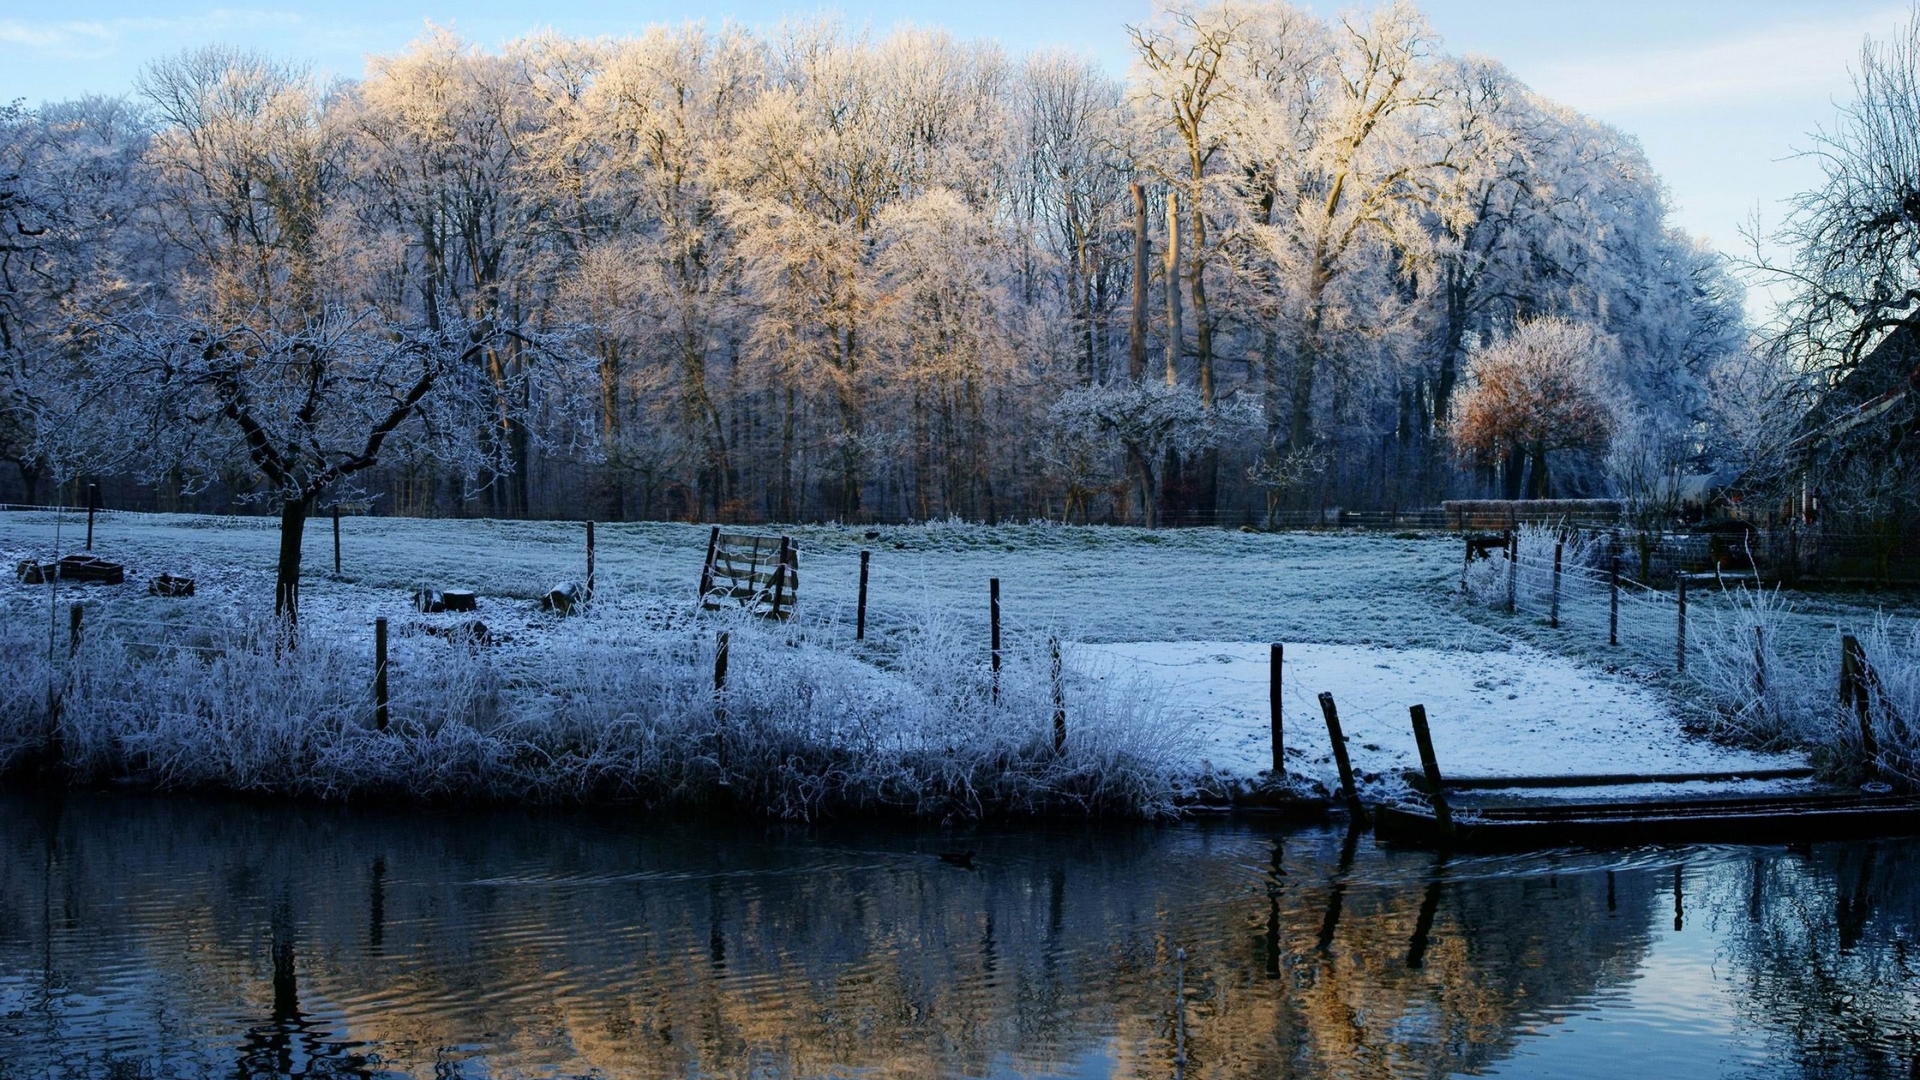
[[1761, 819]]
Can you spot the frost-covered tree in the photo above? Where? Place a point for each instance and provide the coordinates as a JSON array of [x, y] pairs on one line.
[[813, 273], [306, 407], [1539, 391]]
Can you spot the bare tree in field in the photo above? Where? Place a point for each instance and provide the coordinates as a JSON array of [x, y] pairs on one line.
[[266, 362], [1533, 394], [305, 409]]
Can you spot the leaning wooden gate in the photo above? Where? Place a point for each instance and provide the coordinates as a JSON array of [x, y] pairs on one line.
[[758, 573]]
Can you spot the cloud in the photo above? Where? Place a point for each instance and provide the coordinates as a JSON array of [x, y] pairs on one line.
[[1788, 60], [97, 39]]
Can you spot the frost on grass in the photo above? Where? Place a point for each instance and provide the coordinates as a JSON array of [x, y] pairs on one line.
[[1759, 686], [616, 705]]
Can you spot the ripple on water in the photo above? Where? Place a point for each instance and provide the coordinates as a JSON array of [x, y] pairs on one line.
[[183, 938]]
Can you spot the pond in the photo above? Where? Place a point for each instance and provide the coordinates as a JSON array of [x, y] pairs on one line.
[[144, 936]]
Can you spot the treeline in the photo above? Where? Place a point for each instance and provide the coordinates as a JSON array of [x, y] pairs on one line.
[[803, 274]]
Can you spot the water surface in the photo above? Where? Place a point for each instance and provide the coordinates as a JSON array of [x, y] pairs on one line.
[[180, 937]]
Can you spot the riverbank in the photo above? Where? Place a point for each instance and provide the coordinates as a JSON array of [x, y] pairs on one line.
[[618, 703]]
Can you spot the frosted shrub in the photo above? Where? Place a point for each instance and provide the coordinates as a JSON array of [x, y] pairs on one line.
[[618, 704], [1751, 690], [26, 675], [1583, 558], [1893, 697]]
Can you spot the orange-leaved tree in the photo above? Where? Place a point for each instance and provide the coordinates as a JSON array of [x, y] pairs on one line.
[[1539, 391]]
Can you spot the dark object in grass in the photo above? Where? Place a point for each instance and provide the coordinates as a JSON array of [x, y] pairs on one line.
[[92, 568], [873, 534], [472, 633], [34, 572], [433, 601], [961, 859], [564, 598], [169, 585]]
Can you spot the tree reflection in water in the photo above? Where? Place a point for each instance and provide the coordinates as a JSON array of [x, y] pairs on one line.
[[175, 937]]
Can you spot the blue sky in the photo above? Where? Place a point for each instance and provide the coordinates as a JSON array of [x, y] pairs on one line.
[[1721, 93]]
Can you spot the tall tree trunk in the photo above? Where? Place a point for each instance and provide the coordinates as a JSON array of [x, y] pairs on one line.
[[293, 527], [1137, 330], [1172, 276], [1542, 482]]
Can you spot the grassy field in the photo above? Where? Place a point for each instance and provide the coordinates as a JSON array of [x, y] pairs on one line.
[[577, 708]]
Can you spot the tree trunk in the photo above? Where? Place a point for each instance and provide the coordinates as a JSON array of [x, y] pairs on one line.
[[1542, 482], [1512, 470], [1137, 331], [1172, 277], [293, 527]]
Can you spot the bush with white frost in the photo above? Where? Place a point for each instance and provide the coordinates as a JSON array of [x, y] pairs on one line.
[[1583, 557], [1752, 688], [616, 705]]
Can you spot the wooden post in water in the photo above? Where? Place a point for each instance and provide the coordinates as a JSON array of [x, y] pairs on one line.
[[1430, 765], [1680, 628], [1513, 569], [993, 619], [336, 539], [1340, 758], [380, 717], [93, 503], [73, 632], [1613, 601], [1059, 701], [860, 616], [1553, 619], [589, 560], [1276, 658]]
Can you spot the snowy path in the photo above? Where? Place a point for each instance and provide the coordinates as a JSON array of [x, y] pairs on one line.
[[1515, 713]]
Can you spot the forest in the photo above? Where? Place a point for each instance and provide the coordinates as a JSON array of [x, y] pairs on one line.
[[1285, 263]]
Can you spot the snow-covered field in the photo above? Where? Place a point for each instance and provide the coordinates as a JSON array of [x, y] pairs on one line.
[[1520, 712], [1172, 625]]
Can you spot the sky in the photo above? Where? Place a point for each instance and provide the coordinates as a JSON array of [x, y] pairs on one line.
[[1722, 93]]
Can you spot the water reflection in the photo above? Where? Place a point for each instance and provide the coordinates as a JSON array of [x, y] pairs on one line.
[[149, 937]]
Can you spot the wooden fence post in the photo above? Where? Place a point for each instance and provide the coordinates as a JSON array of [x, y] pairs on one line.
[[1613, 601], [780, 574], [73, 632], [336, 539], [589, 560], [1276, 658], [1513, 569], [1553, 619], [993, 619], [1680, 628], [1853, 693], [1759, 662], [1430, 765], [721, 646], [706, 568], [1059, 701], [380, 712], [1466, 561], [860, 617], [1340, 758], [93, 503]]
